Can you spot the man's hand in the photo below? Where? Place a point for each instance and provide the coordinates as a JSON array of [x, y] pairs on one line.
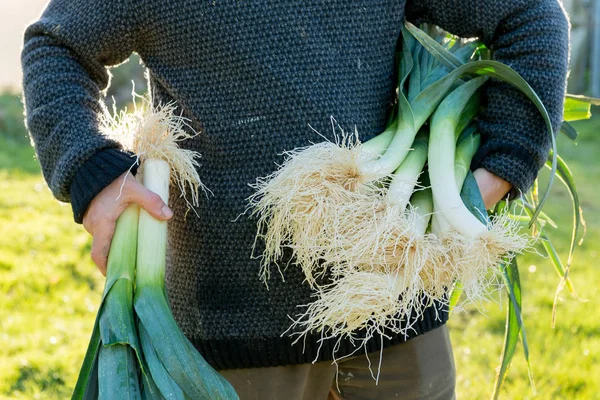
[[492, 188], [101, 216]]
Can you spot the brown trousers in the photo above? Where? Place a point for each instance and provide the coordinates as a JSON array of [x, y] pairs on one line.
[[421, 368]]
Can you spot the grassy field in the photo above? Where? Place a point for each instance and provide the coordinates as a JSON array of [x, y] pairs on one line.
[[51, 291]]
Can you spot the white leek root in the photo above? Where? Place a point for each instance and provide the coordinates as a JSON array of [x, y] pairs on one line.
[[155, 133], [477, 261], [294, 203], [358, 306]]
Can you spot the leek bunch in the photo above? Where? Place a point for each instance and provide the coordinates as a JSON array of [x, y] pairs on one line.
[[293, 203], [397, 224], [137, 351]]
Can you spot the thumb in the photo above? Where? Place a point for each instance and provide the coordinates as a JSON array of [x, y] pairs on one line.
[[149, 201]]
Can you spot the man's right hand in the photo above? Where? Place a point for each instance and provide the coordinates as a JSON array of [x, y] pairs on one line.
[[101, 216]]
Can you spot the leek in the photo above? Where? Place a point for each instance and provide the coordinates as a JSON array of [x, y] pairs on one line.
[[135, 306], [373, 283], [293, 203], [441, 161]]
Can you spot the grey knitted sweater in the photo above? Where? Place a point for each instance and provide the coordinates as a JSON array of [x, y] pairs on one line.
[[252, 76]]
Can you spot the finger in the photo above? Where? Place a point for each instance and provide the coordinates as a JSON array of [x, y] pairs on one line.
[[150, 201], [101, 245]]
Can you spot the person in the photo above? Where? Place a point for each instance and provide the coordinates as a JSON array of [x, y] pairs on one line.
[[251, 77]]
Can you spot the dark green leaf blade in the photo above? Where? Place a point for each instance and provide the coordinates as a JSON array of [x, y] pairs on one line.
[[514, 325], [117, 323], [471, 197], [506, 74], [414, 83], [429, 99], [156, 370], [155, 316], [566, 177], [437, 50], [490, 68], [118, 373], [87, 376], [116, 319], [226, 390], [149, 389], [569, 131], [92, 389], [172, 348]]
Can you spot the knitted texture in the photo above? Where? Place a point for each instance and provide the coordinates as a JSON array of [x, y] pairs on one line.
[[251, 77]]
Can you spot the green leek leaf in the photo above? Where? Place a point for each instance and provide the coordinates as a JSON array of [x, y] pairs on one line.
[[566, 177], [436, 49], [468, 115], [118, 373], [149, 389], [222, 389], [471, 196], [556, 262], [86, 386], [543, 215], [490, 68], [569, 131], [406, 60], [586, 99], [576, 109], [117, 324], [457, 291], [553, 255], [172, 348], [514, 325], [156, 370], [414, 83]]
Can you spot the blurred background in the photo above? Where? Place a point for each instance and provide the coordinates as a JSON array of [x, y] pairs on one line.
[[50, 290]]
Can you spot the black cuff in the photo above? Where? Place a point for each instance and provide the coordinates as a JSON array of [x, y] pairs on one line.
[[95, 174]]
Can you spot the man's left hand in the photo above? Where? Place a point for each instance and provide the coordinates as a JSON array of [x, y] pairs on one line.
[[492, 188]]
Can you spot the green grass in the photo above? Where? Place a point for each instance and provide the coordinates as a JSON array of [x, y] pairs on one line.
[[51, 292], [50, 289]]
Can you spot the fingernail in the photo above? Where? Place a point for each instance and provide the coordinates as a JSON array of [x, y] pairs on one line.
[[166, 211]]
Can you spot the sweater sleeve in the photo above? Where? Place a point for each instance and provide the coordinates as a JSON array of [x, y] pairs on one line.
[[64, 61], [532, 37]]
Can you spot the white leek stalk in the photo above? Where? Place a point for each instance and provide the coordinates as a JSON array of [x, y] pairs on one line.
[[475, 248], [156, 141], [446, 196]]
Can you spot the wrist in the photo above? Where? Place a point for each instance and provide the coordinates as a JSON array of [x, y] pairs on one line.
[[94, 175]]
